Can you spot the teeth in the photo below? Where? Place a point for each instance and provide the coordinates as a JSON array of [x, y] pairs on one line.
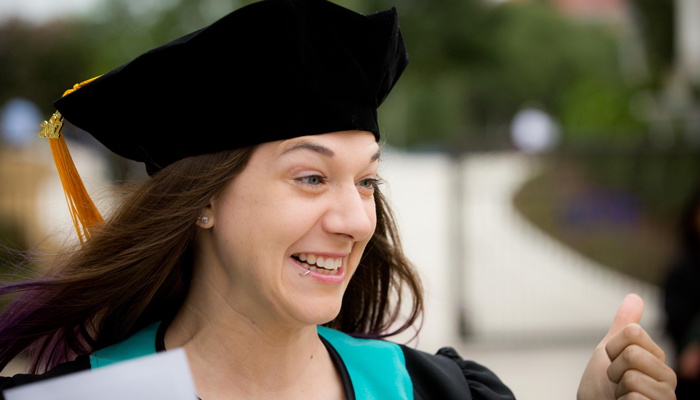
[[325, 264]]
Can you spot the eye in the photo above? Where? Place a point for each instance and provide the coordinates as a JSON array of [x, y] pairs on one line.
[[370, 183], [312, 180]]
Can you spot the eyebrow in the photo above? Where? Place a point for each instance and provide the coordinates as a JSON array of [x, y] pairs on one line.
[[324, 151]]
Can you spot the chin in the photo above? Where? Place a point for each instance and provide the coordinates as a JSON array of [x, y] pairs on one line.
[[320, 312]]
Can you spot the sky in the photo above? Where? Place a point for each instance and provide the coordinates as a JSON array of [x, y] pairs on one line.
[[39, 11]]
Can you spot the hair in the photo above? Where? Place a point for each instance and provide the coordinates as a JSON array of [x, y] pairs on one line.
[[137, 266]]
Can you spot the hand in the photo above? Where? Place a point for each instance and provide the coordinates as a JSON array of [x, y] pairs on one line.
[[627, 364]]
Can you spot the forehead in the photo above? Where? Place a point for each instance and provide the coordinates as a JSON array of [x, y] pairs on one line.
[[329, 144]]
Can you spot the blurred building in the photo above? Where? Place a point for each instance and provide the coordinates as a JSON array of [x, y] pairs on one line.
[[596, 10], [21, 176], [21, 172], [688, 39], [611, 10]]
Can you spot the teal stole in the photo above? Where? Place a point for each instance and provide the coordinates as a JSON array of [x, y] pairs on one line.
[[377, 368]]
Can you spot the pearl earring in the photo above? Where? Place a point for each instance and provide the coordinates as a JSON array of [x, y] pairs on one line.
[[203, 219]]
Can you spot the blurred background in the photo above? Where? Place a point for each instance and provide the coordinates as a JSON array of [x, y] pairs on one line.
[[540, 156]]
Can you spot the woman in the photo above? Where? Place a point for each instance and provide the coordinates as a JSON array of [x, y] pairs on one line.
[[261, 222]]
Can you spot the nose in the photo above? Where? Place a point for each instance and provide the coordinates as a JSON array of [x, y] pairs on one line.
[[350, 214]]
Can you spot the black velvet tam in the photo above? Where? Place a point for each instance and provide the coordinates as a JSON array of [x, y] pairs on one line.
[[273, 70]]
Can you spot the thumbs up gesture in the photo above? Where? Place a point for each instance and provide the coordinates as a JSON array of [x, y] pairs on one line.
[[627, 364]]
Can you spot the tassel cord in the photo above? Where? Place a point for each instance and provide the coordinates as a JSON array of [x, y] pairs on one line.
[[83, 211]]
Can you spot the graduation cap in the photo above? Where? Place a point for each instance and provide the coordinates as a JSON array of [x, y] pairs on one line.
[[273, 70]]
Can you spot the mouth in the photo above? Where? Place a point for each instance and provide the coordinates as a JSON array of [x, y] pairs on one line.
[[320, 264]]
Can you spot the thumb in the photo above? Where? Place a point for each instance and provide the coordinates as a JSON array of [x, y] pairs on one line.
[[630, 312]]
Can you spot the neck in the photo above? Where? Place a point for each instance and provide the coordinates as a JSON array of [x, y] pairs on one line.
[[235, 355]]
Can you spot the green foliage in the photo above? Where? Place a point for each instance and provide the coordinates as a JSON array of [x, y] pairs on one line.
[[570, 69], [656, 18], [38, 62], [127, 29], [474, 66], [590, 108]]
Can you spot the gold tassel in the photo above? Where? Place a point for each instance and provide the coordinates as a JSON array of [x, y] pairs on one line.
[[82, 210]]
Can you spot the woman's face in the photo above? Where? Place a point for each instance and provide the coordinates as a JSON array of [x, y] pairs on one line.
[[288, 233]]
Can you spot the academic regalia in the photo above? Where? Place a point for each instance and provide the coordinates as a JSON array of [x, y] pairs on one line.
[[369, 369]]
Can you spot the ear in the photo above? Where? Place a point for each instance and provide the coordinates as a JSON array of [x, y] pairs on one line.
[[206, 218]]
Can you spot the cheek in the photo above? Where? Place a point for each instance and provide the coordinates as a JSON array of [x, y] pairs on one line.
[[269, 225], [288, 219]]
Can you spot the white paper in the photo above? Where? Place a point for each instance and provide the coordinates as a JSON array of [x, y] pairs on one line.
[[162, 376]]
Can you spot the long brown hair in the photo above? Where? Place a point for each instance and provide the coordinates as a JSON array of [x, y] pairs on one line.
[[137, 267]]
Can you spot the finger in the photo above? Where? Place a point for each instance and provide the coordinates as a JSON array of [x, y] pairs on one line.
[[634, 396], [634, 381], [630, 312], [636, 358], [633, 334]]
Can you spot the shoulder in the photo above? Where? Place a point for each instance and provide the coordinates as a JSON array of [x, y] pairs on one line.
[[144, 342], [81, 363], [376, 368], [446, 375]]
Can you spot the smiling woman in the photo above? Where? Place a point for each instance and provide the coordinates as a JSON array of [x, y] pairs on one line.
[[307, 198], [261, 243]]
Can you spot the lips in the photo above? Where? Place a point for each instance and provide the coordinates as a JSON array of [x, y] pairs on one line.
[[319, 263]]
